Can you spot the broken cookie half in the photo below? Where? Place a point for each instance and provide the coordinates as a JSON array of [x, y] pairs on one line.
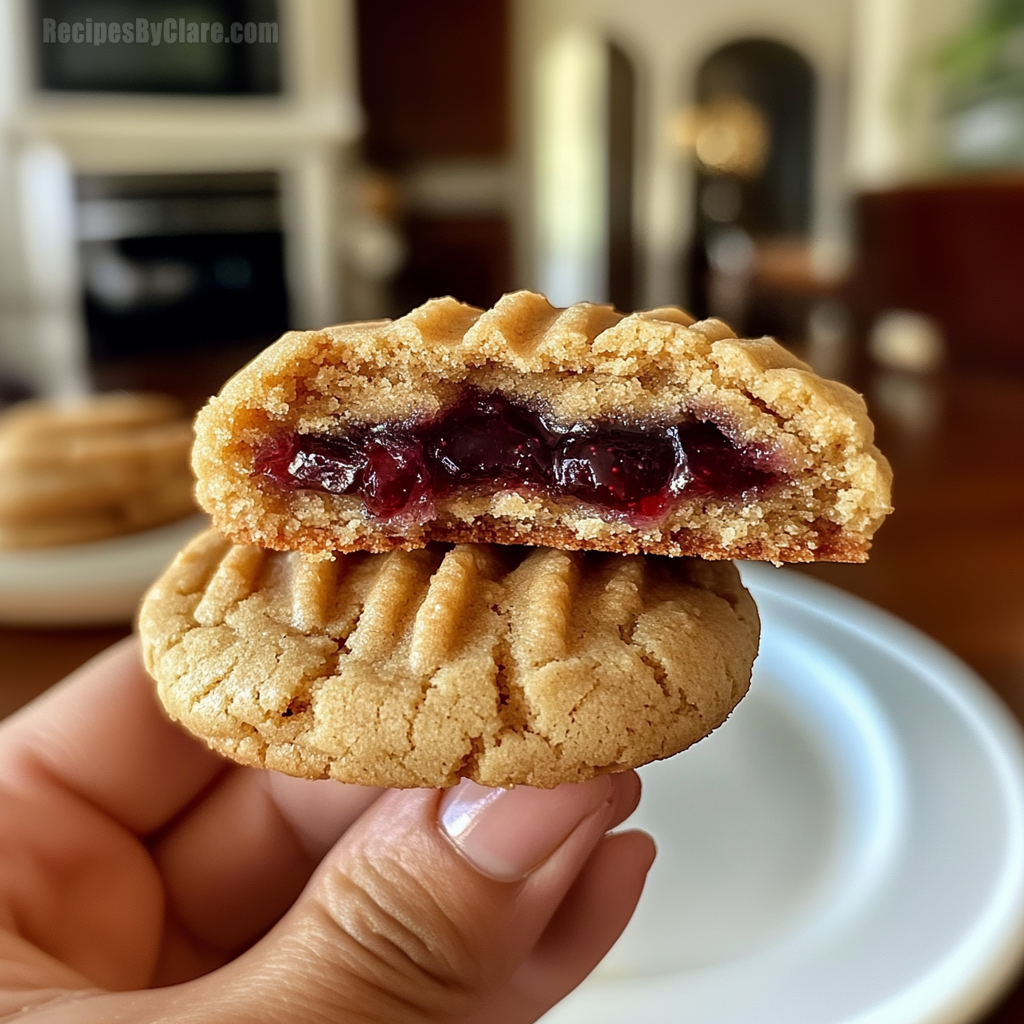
[[578, 428]]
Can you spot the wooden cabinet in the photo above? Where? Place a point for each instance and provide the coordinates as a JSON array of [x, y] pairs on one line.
[[434, 78], [955, 251]]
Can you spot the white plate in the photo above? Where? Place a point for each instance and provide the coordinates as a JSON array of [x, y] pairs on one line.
[[848, 848], [88, 584]]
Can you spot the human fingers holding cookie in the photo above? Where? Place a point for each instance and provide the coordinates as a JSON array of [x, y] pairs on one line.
[[144, 879], [466, 549]]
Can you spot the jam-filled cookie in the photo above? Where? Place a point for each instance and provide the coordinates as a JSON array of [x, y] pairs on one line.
[[578, 428], [506, 665]]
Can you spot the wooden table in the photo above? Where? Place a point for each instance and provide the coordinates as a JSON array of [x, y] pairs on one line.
[[950, 560], [33, 659]]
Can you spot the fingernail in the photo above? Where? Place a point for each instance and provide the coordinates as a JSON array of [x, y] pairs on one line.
[[506, 833]]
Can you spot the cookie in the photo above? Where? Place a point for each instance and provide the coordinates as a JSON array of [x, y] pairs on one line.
[[506, 665], [92, 468], [115, 410], [162, 501], [578, 428]]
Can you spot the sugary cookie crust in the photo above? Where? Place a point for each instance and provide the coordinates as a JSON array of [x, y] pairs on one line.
[[587, 363], [506, 665]]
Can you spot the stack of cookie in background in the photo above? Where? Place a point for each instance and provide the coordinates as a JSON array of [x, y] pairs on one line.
[[92, 468]]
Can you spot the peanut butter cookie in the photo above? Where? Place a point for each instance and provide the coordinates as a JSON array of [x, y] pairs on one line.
[[506, 665]]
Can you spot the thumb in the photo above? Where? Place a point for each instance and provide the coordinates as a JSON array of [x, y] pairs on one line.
[[431, 907]]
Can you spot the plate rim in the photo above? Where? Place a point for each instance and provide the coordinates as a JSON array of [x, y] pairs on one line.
[[988, 963], [96, 583], [982, 964]]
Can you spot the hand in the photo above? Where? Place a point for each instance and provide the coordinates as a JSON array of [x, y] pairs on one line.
[[142, 878]]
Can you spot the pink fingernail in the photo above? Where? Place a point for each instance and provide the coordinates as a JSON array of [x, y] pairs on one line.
[[506, 833]]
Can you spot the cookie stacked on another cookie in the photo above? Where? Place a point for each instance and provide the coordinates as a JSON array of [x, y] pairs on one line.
[[358, 617], [578, 428], [99, 466]]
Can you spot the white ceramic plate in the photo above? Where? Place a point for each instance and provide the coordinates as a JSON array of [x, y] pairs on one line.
[[848, 848], [88, 584]]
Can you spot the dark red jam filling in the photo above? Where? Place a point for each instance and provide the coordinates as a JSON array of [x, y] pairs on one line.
[[486, 444]]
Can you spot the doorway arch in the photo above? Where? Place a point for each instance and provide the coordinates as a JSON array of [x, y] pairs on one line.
[[752, 138]]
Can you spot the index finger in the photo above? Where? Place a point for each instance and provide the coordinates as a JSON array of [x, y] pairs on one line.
[[102, 734]]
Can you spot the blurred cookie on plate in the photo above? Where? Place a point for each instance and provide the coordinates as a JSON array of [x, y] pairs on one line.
[[90, 468]]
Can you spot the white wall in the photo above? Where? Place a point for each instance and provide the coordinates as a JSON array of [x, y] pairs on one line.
[[894, 97]]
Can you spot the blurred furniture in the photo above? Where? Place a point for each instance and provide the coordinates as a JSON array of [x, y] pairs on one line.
[[435, 85], [953, 250], [184, 277], [300, 134]]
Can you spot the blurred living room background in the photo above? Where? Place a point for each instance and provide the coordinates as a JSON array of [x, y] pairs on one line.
[[846, 175], [839, 174]]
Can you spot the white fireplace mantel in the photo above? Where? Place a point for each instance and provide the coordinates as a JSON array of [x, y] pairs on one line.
[[305, 135]]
